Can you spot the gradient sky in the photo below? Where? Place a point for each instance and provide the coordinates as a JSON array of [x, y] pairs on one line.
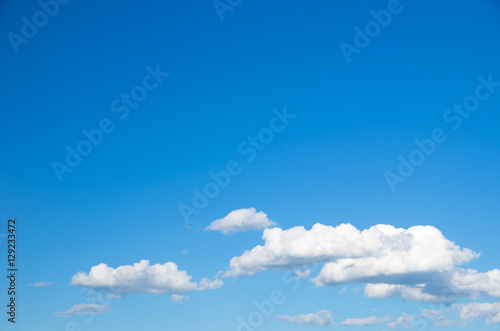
[[226, 81]]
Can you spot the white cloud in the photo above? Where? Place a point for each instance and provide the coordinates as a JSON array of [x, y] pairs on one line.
[[84, 309], [40, 284], [489, 312], [241, 220], [353, 255], [406, 293], [321, 318], [417, 263], [370, 320], [443, 287], [179, 298], [143, 277], [208, 284], [184, 252], [396, 255], [294, 248], [475, 284]]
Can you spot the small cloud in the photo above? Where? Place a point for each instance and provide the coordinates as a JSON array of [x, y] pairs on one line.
[[184, 252], [84, 309], [208, 284], [344, 291], [40, 284], [321, 318], [241, 220], [179, 298], [370, 320]]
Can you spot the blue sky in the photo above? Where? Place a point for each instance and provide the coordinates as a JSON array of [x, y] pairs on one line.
[[175, 92]]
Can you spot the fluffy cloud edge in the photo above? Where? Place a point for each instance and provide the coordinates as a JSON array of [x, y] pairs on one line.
[[241, 220]]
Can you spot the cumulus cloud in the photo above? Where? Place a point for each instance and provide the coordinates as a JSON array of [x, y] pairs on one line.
[[396, 254], [241, 220], [370, 320], [417, 263], [295, 248], [352, 255], [321, 318], [143, 277], [84, 309], [476, 283], [40, 284], [443, 287]]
